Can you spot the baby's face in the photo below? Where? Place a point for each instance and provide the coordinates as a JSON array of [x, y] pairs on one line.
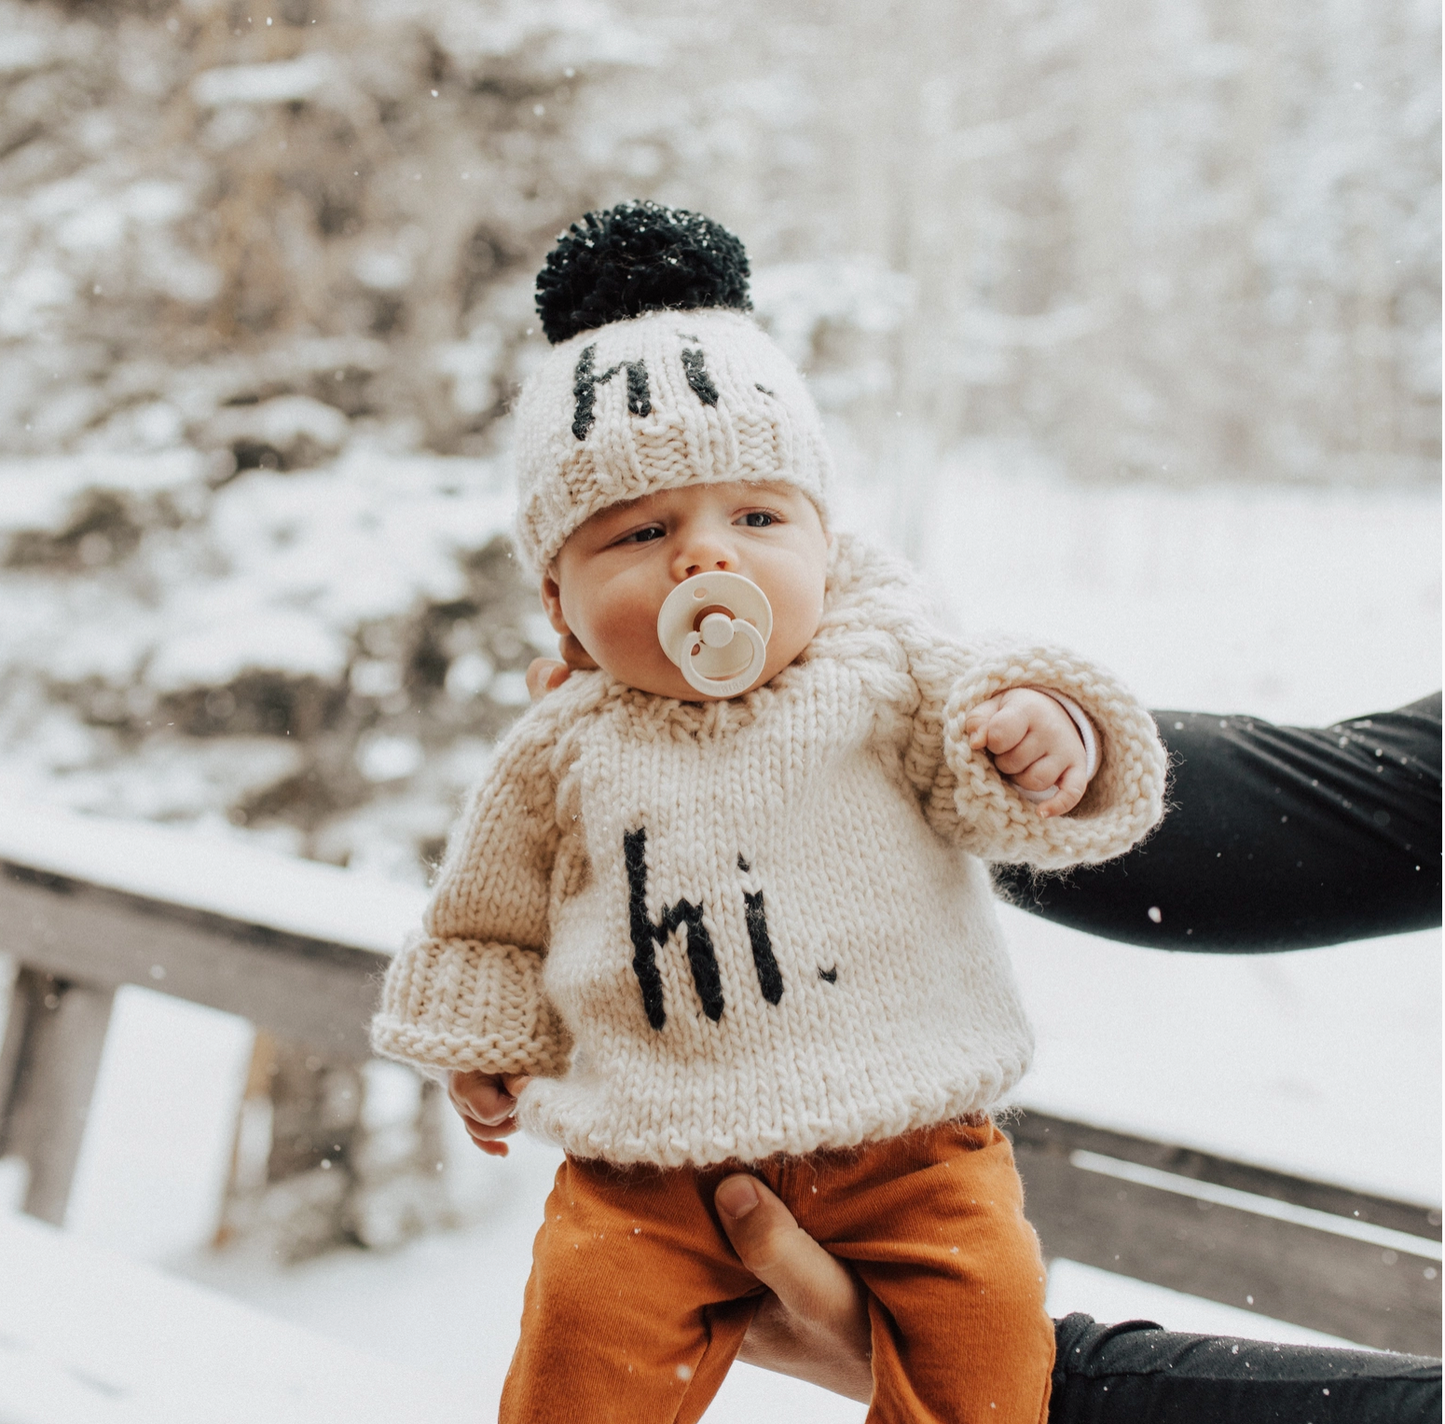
[[609, 581]]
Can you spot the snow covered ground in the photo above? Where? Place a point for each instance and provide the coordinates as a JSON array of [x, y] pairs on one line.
[[1296, 604], [111, 1341]]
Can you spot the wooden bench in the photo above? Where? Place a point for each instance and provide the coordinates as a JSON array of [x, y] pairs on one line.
[[298, 948]]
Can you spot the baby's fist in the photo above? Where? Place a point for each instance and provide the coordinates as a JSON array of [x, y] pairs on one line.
[[1034, 743], [487, 1103]]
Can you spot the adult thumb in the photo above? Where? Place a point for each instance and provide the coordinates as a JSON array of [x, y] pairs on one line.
[[815, 1324], [814, 1286]]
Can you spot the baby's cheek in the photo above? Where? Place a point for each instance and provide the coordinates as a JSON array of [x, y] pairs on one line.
[[790, 637], [797, 619], [621, 631]]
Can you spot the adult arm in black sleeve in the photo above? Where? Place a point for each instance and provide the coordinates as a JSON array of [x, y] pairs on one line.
[[1276, 838], [1136, 1372]]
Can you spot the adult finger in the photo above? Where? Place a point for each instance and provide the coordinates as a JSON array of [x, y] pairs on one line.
[[575, 655], [544, 675], [815, 1325]]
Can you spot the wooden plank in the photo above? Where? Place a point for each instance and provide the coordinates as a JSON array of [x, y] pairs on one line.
[[302, 989], [1061, 1135], [235, 880], [53, 1042], [1378, 1296]]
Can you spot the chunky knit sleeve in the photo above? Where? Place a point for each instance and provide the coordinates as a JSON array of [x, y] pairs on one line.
[[881, 622], [984, 811], [467, 992]]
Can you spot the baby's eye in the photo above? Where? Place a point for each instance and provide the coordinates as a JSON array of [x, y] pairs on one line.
[[758, 519], [643, 536]]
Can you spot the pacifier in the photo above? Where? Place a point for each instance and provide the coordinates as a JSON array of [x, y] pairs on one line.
[[716, 627]]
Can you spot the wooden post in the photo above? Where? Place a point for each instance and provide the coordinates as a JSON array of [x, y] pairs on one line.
[[48, 1063]]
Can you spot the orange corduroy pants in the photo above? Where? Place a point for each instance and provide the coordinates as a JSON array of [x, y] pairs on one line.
[[637, 1305]]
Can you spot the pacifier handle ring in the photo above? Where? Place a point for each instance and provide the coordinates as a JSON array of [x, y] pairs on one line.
[[739, 682]]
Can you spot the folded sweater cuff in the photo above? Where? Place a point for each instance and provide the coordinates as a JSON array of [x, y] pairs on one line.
[[461, 1004], [1124, 799]]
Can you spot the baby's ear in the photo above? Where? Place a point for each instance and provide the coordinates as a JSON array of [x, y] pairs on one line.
[[552, 600]]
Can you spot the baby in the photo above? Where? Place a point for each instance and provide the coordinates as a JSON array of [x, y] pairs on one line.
[[705, 914]]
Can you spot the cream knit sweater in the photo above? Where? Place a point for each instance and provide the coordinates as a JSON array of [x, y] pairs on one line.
[[725, 930]]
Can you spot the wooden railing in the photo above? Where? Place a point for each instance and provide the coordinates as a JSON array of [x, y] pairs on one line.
[[1360, 1267], [87, 906], [297, 948]]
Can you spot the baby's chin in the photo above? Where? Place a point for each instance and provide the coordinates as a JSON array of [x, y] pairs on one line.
[[669, 681], [664, 681], [676, 686]]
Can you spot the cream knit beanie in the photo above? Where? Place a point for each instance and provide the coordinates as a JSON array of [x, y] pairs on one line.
[[658, 378]]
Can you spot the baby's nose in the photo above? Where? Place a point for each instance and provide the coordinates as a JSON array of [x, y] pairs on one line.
[[702, 555]]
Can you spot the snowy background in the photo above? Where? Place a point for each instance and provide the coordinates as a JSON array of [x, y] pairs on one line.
[[1125, 319], [1116, 310]]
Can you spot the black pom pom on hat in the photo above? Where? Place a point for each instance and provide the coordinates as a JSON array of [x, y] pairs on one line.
[[635, 258]]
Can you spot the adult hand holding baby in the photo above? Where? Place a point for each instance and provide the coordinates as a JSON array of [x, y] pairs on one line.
[[813, 1324]]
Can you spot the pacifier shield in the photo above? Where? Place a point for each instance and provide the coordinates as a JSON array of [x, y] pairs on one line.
[[716, 627]]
